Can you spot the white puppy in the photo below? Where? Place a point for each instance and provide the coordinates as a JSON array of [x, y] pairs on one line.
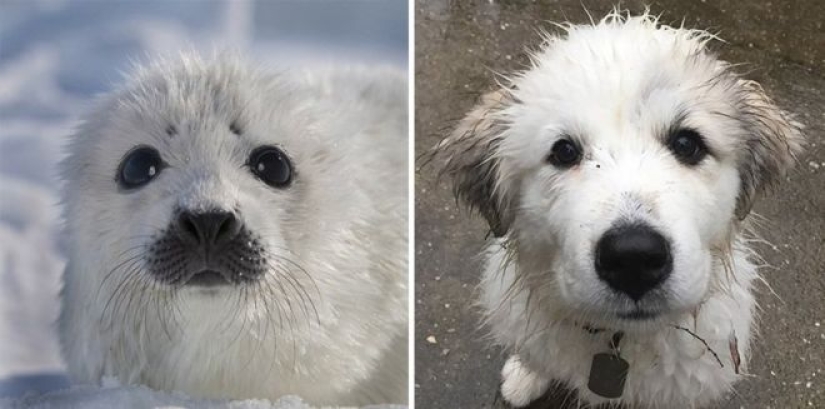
[[617, 172], [235, 233]]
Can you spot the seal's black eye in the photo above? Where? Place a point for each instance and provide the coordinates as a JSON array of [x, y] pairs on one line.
[[272, 166], [564, 154], [688, 146], [140, 166]]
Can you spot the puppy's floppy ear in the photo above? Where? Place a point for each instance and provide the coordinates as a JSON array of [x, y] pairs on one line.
[[472, 161], [773, 140]]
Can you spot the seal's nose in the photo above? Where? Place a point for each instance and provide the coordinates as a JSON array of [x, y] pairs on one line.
[[633, 259], [208, 228]]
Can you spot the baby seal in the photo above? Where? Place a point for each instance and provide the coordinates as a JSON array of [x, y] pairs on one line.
[[235, 233]]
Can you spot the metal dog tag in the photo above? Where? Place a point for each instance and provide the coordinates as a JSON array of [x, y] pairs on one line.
[[608, 372]]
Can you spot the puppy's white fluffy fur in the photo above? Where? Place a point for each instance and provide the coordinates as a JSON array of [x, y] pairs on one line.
[[619, 88], [328, 322]]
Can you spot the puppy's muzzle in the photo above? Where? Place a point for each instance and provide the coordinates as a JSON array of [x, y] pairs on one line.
[[633, 259]]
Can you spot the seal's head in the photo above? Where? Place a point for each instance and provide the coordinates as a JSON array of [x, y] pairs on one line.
[[209, 201]]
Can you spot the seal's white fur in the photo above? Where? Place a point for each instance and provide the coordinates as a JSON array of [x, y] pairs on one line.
[[329, 322], [619, 87]]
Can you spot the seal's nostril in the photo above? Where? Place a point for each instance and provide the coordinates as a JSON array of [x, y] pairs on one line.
[[189, 228], [228, 228], [633, 259], [209, 228]]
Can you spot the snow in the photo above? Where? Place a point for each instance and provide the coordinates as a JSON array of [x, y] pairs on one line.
[[55, 56], [116, 396]]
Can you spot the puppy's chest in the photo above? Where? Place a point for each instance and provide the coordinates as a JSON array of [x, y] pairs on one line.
[[635, 366]]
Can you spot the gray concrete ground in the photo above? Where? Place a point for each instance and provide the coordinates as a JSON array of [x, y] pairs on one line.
[[458, 46]]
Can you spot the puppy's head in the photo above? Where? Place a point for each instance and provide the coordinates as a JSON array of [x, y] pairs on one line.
[[619, 166]]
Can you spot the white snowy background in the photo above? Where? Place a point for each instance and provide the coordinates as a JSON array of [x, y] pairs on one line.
[[55, 56]]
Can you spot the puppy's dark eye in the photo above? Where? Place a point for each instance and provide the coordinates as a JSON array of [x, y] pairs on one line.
[[140, 166], [688, 146], [272, 166], [564, 154]]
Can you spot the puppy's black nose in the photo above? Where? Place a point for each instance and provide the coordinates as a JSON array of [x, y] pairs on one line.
[[208, 228], [633, 259]]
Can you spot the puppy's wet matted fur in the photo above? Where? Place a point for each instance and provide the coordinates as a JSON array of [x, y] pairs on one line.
[[617, 174]]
